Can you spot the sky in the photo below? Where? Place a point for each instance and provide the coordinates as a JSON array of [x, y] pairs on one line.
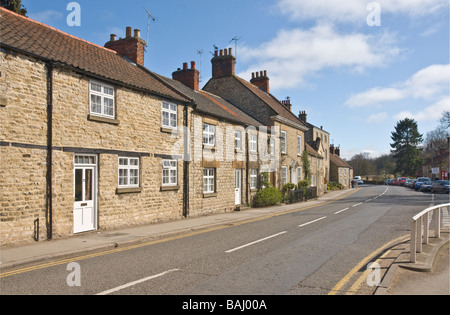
[[356, 67]]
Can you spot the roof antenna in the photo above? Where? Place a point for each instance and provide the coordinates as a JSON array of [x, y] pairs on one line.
[[235, 40], [150, 18], [200, 52]]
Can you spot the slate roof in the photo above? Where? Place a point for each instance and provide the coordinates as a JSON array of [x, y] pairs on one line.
[[271, 101], [22, 34], [214, 105], [336, 160]]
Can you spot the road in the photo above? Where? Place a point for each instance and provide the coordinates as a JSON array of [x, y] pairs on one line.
[[312, 251]]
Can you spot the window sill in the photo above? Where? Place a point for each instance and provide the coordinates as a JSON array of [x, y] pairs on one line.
[[208, 147], [169, 188], [111, 121], [172, 131], [209, 195], [132, 190]]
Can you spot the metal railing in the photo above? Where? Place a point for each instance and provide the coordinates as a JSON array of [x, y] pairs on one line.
[[420, 230]]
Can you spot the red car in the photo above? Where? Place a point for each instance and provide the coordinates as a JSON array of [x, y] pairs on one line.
[[401, 181]]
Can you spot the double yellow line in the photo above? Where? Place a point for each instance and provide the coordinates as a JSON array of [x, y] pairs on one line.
[[338, 287]]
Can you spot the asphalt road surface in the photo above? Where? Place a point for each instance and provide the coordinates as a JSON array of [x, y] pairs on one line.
[[304, 252]]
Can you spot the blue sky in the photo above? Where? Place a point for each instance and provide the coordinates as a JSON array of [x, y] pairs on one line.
[[353, 79]]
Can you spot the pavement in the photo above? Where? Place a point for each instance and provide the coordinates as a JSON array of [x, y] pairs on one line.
[[401, 278]]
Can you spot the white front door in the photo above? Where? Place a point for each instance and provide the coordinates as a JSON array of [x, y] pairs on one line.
[[238, 191], [85, 193]]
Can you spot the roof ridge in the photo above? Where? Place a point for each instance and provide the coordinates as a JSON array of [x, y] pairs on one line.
[[55, 29]]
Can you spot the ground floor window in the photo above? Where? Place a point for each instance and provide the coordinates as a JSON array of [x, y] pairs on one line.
[[209, 175], [169, 174], [128, 172], [253, 178]]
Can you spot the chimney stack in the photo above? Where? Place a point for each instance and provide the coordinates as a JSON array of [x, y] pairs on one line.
[[332, 151], [131, 47], [261, 80], [223, 63], [303, 116], [287, 104], [189, 77]]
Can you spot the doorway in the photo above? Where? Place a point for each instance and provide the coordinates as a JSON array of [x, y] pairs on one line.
[[85, 194]]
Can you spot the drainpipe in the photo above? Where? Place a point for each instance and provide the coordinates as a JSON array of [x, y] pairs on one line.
[[49, 203], [247, 163], [186, 159]]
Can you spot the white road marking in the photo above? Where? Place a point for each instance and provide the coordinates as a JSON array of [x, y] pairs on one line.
[[341, 210], [310, 222], [357, 204], [136, 282], [255, 242]]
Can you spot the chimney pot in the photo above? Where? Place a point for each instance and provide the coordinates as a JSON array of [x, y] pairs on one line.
[[137, 33], [129, 30], [185, 66], [193, 65], [230, 51], [216, 53], [221, 52], [113, 37]]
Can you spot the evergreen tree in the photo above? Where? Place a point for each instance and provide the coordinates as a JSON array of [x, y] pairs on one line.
[[14, 5], [405, 151]]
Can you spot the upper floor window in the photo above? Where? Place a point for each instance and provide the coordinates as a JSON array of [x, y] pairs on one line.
[[209, 134], [253, 143], [283, 142], [102, 99], [169, 115], [299, 145], [238, 140]]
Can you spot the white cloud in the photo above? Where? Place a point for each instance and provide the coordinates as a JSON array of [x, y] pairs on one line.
[[294, 54], [430, 113], [375, 96], [356, 10], [431, 83], [47, 16]]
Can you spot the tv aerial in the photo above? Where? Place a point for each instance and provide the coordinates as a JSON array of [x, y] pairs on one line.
[[150, 19]]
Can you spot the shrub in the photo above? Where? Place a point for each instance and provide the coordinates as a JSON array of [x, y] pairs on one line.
[[268, 196]]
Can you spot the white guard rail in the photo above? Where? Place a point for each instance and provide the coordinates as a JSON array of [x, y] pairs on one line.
[[420, 229]]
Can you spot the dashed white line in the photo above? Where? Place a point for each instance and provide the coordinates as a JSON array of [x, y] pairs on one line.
[[341, 210], [310, 222], [357, 204], [136, 282], [255, 242]]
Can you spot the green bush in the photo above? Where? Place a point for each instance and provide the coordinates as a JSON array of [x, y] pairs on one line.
[[303, 184], [268, 196], [334, 186], [288, 187]]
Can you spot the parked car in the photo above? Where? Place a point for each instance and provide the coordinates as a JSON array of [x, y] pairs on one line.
[[426, 186], [409, 183], [393, 182], [388, 181], [401, 181], [440, 186], [420, 181]]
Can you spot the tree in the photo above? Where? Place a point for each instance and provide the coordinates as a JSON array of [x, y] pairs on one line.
[[15, 6], [405, 151]]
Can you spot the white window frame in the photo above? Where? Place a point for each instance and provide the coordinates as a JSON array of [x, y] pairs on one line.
[[209, 180], [299, 145], [169, 115], [169, 173], [299, 174], [104, 97], [271, 145], [283, 142], [253, 178], [253, 143], [124, 173], [238, 140], [284, 175], [209, 134]]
